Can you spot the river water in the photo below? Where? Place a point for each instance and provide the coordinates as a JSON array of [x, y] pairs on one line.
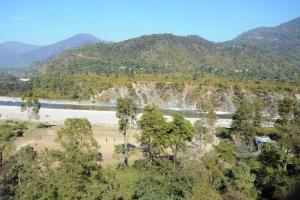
[[186, 113]]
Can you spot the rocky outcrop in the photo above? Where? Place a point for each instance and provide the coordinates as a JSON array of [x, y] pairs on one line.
[[180, 96]]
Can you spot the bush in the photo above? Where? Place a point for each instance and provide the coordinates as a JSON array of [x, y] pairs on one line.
[[43, 125], [11, 129], [224, 133]]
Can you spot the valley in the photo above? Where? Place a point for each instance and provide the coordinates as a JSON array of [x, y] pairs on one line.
[[156, 111]]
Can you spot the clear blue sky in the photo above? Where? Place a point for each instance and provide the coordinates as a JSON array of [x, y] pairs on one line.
[[47, 21]]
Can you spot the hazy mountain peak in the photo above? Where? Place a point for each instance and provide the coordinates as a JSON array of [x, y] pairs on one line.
[[17, 47], [11, 49], [84, 36], [80, 39], [28, 56]]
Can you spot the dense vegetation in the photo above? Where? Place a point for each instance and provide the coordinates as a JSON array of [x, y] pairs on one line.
[[282, 39], [234, 170], [261, 52], [165, 53], [82, 87], [175, 165]]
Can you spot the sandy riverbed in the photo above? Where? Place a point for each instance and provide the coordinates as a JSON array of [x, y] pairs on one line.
[[57, 116], [105, 128]]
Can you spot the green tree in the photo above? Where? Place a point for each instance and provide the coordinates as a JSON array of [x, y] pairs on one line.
[[153, 136], [289, 126], [160, 180], [24, 158], [126, 112], [8, 133], [225, 152], [203, 191], [215, 171], [180, 132], [77, 134], [242, 123], [31, 105], [200, 131], [286, 110], [70, 173], [272, 179], [257, 118], [243, 181], [212, 117], [6, 143]]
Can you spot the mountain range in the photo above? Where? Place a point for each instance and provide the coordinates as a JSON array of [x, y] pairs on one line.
[[10, 50], [160, 53], [17, 55], [284, 38], [264, 52]]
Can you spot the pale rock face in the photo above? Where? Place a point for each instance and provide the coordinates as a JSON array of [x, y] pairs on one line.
[[177, 96]]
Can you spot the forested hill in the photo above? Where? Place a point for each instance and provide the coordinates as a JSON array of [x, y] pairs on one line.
[[161, 53], [284, 38]]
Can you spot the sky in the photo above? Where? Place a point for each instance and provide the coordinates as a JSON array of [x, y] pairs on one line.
[[44, 22]]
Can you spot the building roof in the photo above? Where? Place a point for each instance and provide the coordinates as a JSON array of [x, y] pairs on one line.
[[262, 139]]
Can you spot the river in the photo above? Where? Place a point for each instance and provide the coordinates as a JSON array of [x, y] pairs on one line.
[[56, 112]]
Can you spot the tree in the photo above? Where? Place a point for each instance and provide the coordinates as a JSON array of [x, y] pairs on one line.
[[215, 170], [77, 134], [212, 117], [70, 173], [80, 174], [6, 138], [225, 152], [180, 132], [257, 118], [161, 181], [8, 132], [31, 105], [200, 130], [273, 180], [242, 123], [153, 136], [126, 112], [204, 191], [243, 181], [24, 158], [289, 126], [286, 110]]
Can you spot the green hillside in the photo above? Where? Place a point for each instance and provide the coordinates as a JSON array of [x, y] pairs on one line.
[[279, 39], [165, 53]]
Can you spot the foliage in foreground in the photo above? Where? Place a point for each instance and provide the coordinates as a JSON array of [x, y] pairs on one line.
[[231, 171]]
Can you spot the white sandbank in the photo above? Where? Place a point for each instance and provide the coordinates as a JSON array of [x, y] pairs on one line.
[[57, 116], [88, 103]]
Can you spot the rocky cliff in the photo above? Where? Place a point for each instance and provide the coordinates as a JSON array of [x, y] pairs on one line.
[[182, 96]]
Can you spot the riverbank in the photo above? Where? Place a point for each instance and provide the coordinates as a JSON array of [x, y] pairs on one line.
[[57, 116], [49, 101], [88, 103]]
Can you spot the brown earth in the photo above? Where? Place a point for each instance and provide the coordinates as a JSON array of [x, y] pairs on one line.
[[107, 137]]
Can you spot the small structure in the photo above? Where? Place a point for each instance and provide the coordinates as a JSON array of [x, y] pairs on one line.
[[24, 79], [260, 140]]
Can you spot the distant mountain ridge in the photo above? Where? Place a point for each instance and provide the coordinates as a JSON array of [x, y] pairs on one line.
[[33, 53], [278, 39], [264, 52], [9, 50], [164, 53]]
